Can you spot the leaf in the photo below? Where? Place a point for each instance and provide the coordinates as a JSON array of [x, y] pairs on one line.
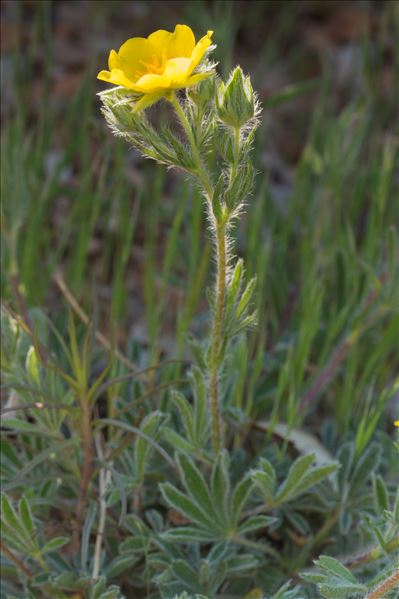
[[195, 485], [183, 571], [217, 207], [189, 534], [366, 465], [255, 523], [185, 505], [56, 449], [142, 449], [301, 476], [246, 297], [220, 486], [89, 521], [18, 424], [333, 566], [13, 528], [233, 289], [26, 515], [120, 564], [240, 497], [298, 522], [381, 496], [235, 282], [295, 474], [112, 592], [315, 476], [185, 412], [340, 590], [133, 544], [176, 440], [345, 458], [242, 563], [55, 544], [265, 479], [200, 404], [8, 515]]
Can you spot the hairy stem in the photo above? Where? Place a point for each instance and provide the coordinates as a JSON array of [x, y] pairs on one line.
[[219, 231], [383, 587], [372, 554], [217, 335]]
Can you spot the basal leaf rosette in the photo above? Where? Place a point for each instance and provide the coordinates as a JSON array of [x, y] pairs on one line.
[[153, 67]]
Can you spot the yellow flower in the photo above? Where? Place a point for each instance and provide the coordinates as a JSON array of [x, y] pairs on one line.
[[156, 65], [396, 423]]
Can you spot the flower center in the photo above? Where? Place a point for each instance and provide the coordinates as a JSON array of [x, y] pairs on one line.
[[156, 66]]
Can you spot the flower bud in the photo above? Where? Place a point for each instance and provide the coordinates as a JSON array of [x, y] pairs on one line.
[[117, 109], [235, 100]]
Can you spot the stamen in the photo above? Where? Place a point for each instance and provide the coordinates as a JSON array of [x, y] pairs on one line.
[[154, 66]]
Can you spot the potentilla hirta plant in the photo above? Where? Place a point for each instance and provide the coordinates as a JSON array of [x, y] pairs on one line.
[[218, 121]]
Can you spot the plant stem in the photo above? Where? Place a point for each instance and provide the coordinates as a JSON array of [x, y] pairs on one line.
[[15, 559], [386, 585], [219, 230], [217, 335], [372, 555]]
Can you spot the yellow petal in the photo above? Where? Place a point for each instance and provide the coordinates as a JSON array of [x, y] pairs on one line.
[[194, 79], [180, 43], [134, 55], [177, 69], [117, 77], [151, 83], [114, 62], [175, 74], [200, 50]]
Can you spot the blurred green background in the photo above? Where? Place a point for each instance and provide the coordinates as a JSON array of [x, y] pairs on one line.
[[123, 235]]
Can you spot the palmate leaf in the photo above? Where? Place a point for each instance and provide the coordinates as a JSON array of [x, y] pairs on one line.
[[186, 506], [195, 485], [213, 508], [334, 567], [183, 571], [301, 477], [17, 527], [335, 581]]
